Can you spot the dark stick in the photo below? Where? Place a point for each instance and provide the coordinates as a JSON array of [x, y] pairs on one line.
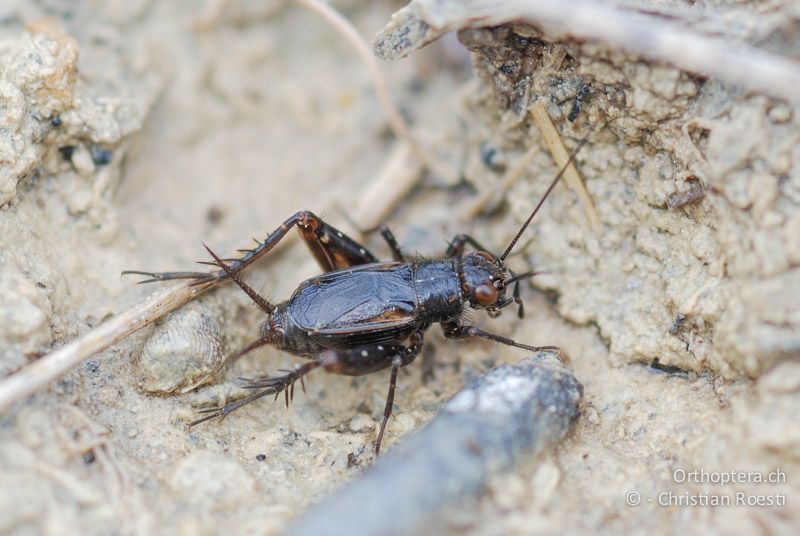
[[510, 414]]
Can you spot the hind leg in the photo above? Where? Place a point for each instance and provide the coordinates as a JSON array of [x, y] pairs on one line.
[[356, 361], [272, 386], [332, 249]]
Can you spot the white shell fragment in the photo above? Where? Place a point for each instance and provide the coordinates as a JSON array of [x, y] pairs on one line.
[[183, 353]]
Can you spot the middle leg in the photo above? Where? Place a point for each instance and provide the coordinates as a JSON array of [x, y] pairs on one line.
[[367, 359]]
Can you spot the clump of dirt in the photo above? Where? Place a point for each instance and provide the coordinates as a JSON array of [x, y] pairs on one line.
[[693, 282], [132, 131]]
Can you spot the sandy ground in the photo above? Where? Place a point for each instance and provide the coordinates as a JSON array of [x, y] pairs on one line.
[[131, 132]]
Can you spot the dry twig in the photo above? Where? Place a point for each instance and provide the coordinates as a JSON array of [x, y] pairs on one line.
[[561, 156], [512, 413], [648, 35], [396, 121], [391, 185], [511, 177], [52, 366]]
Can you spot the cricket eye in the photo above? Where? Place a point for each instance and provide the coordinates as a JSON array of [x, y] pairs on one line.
[[484, 255], [486, 294]]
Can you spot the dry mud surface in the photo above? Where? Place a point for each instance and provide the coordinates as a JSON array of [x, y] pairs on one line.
[[130, 132]]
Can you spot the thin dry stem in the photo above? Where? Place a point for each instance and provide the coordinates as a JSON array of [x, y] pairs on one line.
[[511, 177], [52, 366], [561, 156], [391, 185], [648, 35], [396, 121]]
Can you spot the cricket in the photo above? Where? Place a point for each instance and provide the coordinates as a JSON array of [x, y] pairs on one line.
[[363, 315]]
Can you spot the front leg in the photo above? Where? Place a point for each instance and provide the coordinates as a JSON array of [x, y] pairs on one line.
[[452, 330], [332, 249]]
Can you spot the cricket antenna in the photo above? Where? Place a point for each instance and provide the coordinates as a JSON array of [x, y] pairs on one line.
[[571, 159]]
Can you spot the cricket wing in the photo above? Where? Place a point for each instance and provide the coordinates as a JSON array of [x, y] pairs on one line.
[[369, 298]]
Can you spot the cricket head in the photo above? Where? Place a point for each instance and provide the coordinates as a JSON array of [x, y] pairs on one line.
[[483, 282], [485, 278]]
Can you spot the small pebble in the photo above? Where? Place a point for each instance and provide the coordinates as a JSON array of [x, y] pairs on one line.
[[361, 423], [592, 416], [780, 113], [101, 156], [82, 161]]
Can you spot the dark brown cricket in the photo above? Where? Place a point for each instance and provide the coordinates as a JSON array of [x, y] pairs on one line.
[[363, 315]]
